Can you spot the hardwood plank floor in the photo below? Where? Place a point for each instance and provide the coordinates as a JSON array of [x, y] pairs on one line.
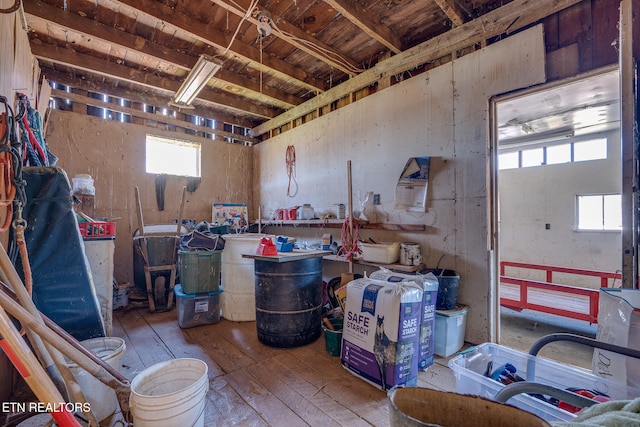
[[252, 384]]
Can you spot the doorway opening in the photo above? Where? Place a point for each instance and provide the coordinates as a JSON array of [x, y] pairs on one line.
[[557, 212]]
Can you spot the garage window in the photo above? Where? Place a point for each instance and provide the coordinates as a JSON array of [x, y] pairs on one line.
[[601, 212], [172, 156]]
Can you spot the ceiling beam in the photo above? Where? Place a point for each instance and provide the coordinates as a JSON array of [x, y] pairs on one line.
[[360, 17], [218, 39], [149, 116], [133, 76], [504, 19], [295, 34], [237, 84], [452, 10], [106, 87]]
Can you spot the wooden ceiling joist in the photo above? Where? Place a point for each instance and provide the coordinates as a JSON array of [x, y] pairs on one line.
[[218, 39], [452, 10], [360, 17], [295, 35], [133, 95], [94, 65], [236, 83], [148, 116], [510, 17]]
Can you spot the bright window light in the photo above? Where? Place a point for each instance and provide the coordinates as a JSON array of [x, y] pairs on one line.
[[557, 154], [599, 212], [593, 149], [172, 156], [508, 160], [533, 157]]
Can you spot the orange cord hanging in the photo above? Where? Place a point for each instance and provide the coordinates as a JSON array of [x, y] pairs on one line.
[[349, 240], [290, 157]]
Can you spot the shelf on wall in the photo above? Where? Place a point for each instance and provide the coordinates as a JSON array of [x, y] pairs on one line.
[[393, 267], [337, 223]]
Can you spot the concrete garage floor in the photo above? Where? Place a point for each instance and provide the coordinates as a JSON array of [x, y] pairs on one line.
[[519, 330]]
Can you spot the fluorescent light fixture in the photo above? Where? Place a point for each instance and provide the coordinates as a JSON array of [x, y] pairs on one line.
[[198, 77]]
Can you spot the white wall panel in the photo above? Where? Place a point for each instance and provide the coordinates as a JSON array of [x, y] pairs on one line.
[[441, 113]]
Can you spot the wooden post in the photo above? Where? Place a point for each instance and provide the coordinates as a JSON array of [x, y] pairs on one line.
[[350, 201]]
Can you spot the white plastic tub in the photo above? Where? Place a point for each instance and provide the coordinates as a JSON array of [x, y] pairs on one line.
[[382, 253], [469, 368]]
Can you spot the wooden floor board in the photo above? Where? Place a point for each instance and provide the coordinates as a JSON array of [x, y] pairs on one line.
[[251, 384], [181, 344], [144, 341], [280, 381], [271, 409], [230, 407]]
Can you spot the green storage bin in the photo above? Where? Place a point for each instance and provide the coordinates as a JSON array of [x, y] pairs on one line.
[[199, 271]]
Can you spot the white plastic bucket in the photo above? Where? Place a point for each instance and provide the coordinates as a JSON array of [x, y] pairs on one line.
[[170, 393], [238, 301], [101, 397]]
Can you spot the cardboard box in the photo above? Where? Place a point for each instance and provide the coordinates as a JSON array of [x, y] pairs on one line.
[[381, 332]]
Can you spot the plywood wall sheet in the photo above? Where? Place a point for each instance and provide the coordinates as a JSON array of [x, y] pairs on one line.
[[516, 62], [378, 134], [25, 68], [7, 52], [114, 155], [442, 113]]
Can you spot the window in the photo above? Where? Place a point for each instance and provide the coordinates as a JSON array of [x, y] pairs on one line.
[[509, 160], [579, 151], [557, 154], [594, 149], [599, 212], [172, 156], [533, 157]]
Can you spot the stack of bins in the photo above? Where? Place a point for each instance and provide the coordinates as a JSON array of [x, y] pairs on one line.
[[198, 294]]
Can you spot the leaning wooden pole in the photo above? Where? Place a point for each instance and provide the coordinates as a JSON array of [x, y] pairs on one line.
[[54, 360], [350, 201], [34, 375]]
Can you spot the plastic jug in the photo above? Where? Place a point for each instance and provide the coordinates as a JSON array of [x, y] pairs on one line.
[[306, 212], [83, 184]]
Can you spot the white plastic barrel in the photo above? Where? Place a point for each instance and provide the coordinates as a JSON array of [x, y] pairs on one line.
[[101, 397], [238, 301], [170, 393]]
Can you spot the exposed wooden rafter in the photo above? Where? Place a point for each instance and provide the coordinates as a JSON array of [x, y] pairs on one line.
[[297, 38], [236, 83], [218, 39], [135, 95], [509, 17], [355, 13], [452, 10], [88, 63], [148, 116]]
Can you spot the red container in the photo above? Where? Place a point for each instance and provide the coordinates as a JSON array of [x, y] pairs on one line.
[[97, 230], [290, 213]]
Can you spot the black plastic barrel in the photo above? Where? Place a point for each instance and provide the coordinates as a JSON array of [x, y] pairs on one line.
[[447, 288], [288, 301]]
